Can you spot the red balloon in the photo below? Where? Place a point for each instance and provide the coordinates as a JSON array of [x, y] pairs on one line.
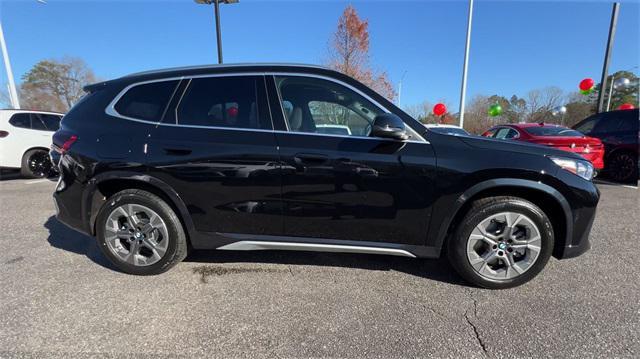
[[626, 106], [232, 111], [439, 109], [586, 84]]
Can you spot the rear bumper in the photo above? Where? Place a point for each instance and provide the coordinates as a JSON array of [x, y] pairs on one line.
[[68, 199]]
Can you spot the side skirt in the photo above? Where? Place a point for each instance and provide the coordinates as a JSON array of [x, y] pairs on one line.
[[257, 242]]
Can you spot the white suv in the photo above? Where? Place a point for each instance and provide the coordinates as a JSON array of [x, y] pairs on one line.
[[25, 138]]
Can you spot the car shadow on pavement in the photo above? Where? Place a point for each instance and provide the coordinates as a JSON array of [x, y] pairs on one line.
[[63, 237], [435, 269]]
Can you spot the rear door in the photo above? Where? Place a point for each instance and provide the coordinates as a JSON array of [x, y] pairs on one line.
[[215, 146]]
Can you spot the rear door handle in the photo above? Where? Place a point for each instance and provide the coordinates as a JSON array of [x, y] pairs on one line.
[[310, 158], [177, 151]]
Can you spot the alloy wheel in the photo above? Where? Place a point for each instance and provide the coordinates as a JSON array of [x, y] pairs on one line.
[[39, 164], [504, 246], [136, 235], [621, 167]]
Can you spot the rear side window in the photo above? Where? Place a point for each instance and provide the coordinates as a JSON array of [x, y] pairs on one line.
[[222, 102], [21, 120], [147, 101]]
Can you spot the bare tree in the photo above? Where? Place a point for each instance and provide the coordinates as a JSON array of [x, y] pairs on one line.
[[55, 85], [349, 53]]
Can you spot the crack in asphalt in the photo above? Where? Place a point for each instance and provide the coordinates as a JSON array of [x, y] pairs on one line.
[[476, 331]]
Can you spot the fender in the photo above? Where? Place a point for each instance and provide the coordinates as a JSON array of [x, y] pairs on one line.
[[90, 213], [506, 182]]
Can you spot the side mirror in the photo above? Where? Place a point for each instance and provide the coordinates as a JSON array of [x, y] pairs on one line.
[[388, 125]]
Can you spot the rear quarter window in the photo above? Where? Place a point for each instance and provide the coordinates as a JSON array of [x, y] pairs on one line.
[[21, 120], [146, 101]]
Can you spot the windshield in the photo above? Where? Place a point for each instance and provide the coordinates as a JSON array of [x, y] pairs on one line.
[[553, 131]]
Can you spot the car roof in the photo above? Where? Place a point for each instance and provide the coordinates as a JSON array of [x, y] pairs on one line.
[[237, 66], [177, 72]]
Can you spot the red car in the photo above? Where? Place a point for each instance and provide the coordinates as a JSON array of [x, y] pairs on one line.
[[560, 137]]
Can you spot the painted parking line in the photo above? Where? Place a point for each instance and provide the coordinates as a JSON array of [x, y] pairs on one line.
[[614, 184], [37, 181]]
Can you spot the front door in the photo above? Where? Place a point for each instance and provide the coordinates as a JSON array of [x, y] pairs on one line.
[[337, 182]]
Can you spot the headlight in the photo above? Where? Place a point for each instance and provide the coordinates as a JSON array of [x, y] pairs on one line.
[[581, 168]]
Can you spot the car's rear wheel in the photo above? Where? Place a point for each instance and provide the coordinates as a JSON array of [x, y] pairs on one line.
[[36, 164], [502, 242], [140, 233], [621, 167]]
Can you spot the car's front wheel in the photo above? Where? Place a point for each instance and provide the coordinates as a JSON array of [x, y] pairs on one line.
[[502, 242], [140, 233]]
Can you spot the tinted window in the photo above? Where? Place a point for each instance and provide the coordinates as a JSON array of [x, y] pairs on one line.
[[587, 125], [52, 122], [146, 102], [608, 125], [36, 123], [321, 106], [223, 102], [45, 122], [553, 131], [22, 120]]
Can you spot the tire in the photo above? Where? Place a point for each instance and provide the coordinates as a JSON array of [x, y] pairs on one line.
[[161, 233], [468, 247], [621, 167], [36, 164]]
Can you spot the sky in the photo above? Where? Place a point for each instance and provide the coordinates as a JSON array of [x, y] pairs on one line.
[[516, 46]]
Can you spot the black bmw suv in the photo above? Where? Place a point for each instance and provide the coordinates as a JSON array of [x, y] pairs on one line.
[[293, 157]]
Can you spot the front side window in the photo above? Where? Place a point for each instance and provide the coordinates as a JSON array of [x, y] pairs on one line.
[[21, 120], [223, 102], [322, 106], [45, 122], [147, 101], [607, 124]]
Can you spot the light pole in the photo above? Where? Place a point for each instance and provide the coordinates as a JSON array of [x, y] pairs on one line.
[[621, 82], [607, 55], [400, 88], [216, 7], [463, 90], [13, 93]]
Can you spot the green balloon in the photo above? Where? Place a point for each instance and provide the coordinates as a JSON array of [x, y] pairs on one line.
[[586, 92], [495, 110]]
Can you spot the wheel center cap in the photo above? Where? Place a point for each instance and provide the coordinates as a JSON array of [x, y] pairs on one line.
[[138, 234], [502, 246]]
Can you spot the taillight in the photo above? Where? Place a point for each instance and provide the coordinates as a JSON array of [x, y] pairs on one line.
[[68, 143], [4, 134]]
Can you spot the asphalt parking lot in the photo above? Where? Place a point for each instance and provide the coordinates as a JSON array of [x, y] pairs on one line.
[[59, 297]]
